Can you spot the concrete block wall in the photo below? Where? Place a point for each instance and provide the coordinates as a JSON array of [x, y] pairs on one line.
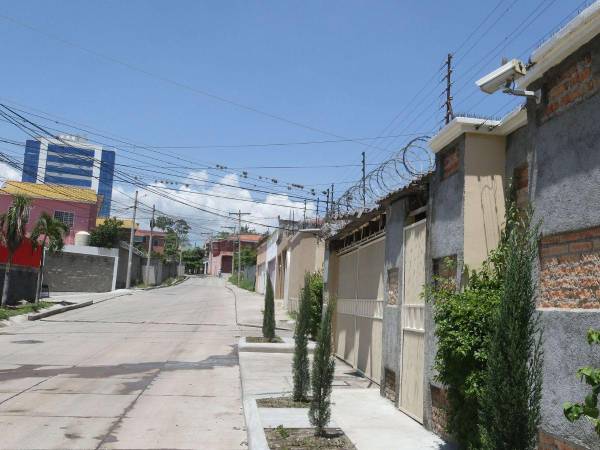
[[22, 283], [76, 272]]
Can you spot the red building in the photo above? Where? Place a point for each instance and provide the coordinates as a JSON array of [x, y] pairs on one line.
[[222, 251], [158, 240], [75, 207]]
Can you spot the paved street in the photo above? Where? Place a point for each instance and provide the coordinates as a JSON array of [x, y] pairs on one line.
[[155, 369]]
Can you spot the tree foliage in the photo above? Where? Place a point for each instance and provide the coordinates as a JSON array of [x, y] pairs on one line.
[[192, 259], [248, 258], [464, 321], [108, 234], [589, 407], [12, 234], [511, 399], [177, 231], [301, 372], [268, 327], [47, 231], [322, 374], [316, 303], [467, 329]]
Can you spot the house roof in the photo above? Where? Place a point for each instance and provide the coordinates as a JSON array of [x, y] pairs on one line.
[[583, 28], [126, 222], [460, 125], [414, 186], [155, 233], [50, 191]]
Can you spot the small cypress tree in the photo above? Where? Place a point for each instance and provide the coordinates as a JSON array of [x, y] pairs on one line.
[[268, 327], [513, 386], [301, 365], [322, 374]]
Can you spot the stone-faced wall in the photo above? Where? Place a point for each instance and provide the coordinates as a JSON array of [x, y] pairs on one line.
[[564, 139], [445, 238], [570, 270]]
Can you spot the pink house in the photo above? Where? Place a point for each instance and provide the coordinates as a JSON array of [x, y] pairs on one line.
[[76, 207]]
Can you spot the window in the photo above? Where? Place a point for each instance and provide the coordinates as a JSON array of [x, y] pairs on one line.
[[65, 217]]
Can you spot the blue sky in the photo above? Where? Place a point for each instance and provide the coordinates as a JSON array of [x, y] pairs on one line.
[[344, 67]]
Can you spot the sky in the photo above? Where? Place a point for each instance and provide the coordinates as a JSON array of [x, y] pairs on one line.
[[224, 76]]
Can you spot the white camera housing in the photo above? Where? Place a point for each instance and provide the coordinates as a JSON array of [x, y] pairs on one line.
[[502, 77]]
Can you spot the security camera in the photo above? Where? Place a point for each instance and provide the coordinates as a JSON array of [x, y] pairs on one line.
[[502, 77]]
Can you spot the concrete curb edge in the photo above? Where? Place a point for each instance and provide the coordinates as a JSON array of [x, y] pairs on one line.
[[52, 312], [257, 440]]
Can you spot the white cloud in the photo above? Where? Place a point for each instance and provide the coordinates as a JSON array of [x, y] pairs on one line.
[[194, 195], [9, 173]]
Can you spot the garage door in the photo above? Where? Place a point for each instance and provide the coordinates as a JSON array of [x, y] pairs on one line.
[[359, 307], [413, 333]]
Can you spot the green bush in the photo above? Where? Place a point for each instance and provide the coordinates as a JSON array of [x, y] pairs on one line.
[[268, 327], [315, 286], [301, 373], [512, 393], [589, 407], [322, 375], [464, 321]]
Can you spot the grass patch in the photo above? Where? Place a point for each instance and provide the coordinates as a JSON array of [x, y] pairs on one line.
[[263, 340], [281, 402], [244, 283], [10, 311], [281, 438]]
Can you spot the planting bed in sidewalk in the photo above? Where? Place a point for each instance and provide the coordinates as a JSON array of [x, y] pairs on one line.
[[5, 313], [305, 439], [281, 402], [262, 340]]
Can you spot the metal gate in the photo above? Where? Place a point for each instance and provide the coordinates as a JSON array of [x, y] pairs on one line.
[[413, 315], [360, 307]]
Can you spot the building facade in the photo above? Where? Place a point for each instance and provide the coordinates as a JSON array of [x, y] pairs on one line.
[[71, 161], [75, 207]]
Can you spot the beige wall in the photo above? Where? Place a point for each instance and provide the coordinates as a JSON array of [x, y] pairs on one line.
[[484, 196], [261, 254], [306, 255]]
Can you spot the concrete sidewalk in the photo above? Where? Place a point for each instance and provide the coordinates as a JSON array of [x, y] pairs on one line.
[[250, 306], [369, 421]]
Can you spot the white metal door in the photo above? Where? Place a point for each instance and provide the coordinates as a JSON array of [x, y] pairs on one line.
[[413, 315]]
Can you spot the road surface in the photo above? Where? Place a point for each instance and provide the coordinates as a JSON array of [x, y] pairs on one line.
[[155, 369]]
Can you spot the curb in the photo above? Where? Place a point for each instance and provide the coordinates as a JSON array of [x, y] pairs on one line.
[[160, 286], [257, 440], [285, 347], [52, 312]]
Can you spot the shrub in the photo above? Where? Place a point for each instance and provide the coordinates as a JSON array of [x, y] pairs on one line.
[[300, 370], [464, 321], [322, 375], [316, 303], [268, 327], [589, 407], [512, 394]]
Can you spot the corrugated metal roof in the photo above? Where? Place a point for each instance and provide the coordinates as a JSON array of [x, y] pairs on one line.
[[50, 191]]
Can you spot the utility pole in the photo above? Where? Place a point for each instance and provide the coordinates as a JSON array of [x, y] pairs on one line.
[[448, 77], [304, 217], [332, 209], [149, 257], [317, 216], [364, 182], [239, 214], [327, 204], [128, 279]]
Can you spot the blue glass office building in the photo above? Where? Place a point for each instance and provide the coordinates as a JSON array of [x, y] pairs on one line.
[[71, 161]]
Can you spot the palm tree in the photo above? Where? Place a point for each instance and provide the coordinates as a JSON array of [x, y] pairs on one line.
[[52, 232], [12, 233]]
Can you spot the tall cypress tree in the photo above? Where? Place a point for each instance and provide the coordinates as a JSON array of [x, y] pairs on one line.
[[301, 373], [322, 375], [268, 327], [512, 393]]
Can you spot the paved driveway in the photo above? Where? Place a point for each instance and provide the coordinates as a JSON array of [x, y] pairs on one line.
[[155, 369]]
